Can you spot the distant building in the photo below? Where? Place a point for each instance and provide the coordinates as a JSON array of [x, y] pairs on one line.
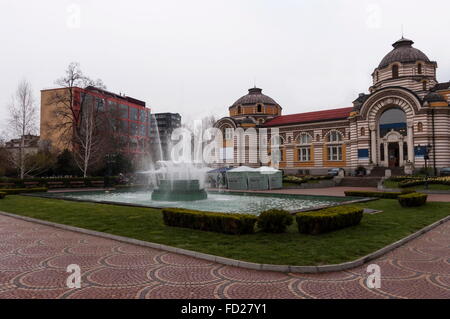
[[405, 109], [31, 144], [161, 129], [131, 116]]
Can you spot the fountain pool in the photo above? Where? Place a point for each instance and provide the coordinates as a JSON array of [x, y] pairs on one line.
[[250, 203]]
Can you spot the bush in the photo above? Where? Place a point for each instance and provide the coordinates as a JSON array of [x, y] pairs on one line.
[[444, 180], [44, 182], [387, 195], [328, 219], [2, 195], [274, 221], [13, 191], [412, 200], [208, 221]]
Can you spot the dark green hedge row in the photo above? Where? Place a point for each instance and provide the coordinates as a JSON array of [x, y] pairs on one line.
[[2, 195], [13, 191], [217, 222], [417, 182], [47, 182], [412, 200], [386, 195], [304, 179], [328, 219], [274, 221]]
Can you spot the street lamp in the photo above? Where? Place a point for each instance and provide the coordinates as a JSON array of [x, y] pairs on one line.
[[426, 157], [110, 160]]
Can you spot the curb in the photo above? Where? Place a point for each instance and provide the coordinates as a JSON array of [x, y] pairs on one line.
[[234, 262]]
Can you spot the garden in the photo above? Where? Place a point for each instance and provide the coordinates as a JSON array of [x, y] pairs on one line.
[[329, 236]]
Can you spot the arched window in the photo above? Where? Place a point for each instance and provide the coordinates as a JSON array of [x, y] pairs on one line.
[[259, 108], [304, 152], [419, 127], [363, 131], [334, 136], [334, 149], [424, 85], [395, 71], [317, 138], [393, 119], [419, 68], [239, 110], [304, 139]]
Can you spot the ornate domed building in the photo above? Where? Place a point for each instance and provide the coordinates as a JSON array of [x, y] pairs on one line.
[[405, 109]]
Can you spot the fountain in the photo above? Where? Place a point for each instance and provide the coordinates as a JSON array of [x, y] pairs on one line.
[[179, 182], [176, 180]]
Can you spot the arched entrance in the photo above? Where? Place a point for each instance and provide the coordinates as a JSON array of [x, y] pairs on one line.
[[392, 137]]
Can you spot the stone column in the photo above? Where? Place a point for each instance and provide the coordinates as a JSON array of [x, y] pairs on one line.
[[386, 155], [410, 133], [373, 143], [400, 153]]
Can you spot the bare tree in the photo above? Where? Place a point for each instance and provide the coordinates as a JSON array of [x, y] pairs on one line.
[[22, 121], [80, 120]]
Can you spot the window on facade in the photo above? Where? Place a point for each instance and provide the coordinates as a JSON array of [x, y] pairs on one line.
[[335, 153], [424, 85], [419, 127], [419, 68], [142, 115], [363, 131], [393, 119], [305, 139], [134, 113], [378, 76], [317, 138], [239, 110], [334, 136], [100, 104], [395, 71], [123, 111], [304, 154], [259, 108]]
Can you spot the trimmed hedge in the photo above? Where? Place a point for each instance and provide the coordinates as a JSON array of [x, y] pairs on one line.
[[274, 221], [13, 191], [235, 224], [44, 182], [2, 195], [304, 179], [328, 219], [413, 200], [385, 195], [421, 181]]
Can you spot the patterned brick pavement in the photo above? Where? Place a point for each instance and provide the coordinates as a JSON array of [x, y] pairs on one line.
[[34, 257]]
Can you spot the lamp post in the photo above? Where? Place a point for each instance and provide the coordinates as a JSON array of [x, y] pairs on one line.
[[426, 157], [110, 160]]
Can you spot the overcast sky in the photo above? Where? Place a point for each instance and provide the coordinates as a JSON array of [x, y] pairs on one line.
[[197, 57]]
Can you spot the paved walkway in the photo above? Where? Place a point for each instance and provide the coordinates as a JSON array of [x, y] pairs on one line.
[[34, 258]]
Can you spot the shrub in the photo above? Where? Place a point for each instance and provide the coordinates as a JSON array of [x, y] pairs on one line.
[[328, 219], [412, 200], [274, 221], [2, 195], [208, 221], [12, 191], [388, 195], [443, 180]]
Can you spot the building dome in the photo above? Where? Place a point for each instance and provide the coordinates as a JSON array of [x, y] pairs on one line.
[[403, 52], [255, 96]]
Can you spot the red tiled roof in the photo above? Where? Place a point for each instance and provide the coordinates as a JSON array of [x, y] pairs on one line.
[[318, 116]]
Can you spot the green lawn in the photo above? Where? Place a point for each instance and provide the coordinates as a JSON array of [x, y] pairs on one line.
[[392, 184], [375, 231]]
